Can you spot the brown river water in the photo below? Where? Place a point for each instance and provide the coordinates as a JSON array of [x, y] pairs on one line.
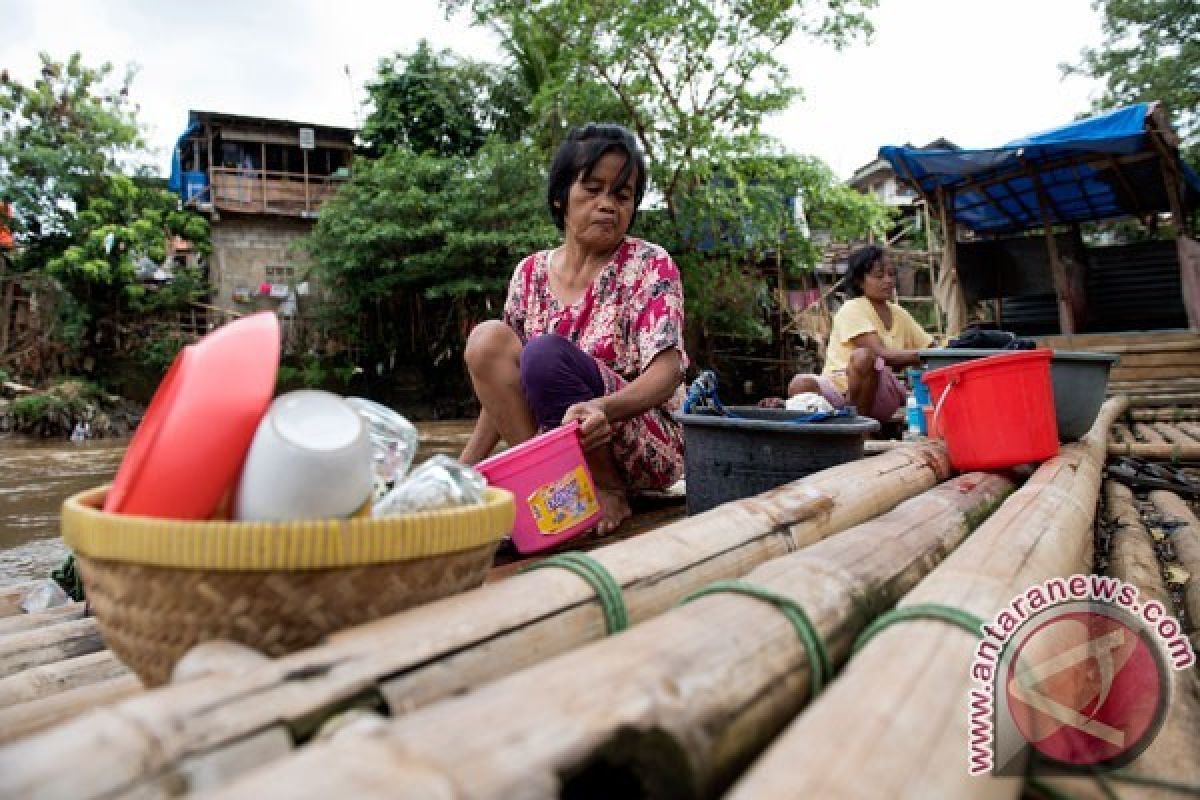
[[37, 475]]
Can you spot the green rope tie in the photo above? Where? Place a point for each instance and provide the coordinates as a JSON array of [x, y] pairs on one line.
[[955, 616], [608, 591], [973, 624], [818, 657]]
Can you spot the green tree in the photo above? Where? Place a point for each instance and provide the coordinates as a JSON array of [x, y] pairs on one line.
[[66, 142], [694, 79], [429, 102], [60, 140], [410, 225], [1151, 51]]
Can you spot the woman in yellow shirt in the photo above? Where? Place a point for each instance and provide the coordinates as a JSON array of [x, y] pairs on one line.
[[871, 336]]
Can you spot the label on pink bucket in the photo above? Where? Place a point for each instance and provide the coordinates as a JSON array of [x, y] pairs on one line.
[[565, 502]]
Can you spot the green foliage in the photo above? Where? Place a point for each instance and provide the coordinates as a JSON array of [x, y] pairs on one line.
[[451, 195], [694, 79], [310, 372], [57, 407], [413, 223], [60, 139], [157, 354], [430, 103], [77, 217], [1151, 51]]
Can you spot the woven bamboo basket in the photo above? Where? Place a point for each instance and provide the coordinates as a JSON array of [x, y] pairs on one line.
[[158, 586]]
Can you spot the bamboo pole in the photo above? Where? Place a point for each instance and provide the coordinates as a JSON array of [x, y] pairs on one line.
[[1163, 414], [39, 682], [1172, 755], [1174, 434], [906, 692], [40, 619], [1156, 452], [1185, 538], [453, 644], [1121, 434], [1157, 399], [1147, 434], [26, 718], [677, 705], [20, 651]]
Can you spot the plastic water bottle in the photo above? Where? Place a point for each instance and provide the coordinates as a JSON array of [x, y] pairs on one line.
[[913, 417], [440, 482], [393, 442]]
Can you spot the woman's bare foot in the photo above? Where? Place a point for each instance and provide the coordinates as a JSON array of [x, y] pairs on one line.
[[615, 507]]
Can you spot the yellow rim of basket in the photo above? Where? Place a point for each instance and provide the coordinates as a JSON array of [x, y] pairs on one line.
[[294, 544]]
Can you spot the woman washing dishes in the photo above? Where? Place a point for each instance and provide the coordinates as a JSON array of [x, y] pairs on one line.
[[592, 331], [871, 336]]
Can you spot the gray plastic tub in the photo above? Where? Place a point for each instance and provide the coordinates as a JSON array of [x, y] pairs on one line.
[[1079, 378], [730, 458]]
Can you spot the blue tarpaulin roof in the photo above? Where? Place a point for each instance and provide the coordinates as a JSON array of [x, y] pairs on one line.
[[1099, 168], [175, 181]]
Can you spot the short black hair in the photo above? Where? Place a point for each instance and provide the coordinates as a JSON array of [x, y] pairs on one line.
[[860, 264], [577, 156]]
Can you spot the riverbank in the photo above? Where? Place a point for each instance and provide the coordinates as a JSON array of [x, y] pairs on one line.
[[70, 407]]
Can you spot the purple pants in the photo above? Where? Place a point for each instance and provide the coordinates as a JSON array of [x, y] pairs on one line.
[[556, 375]]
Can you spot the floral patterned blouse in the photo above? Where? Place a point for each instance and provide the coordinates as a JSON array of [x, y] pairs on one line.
[[632, 311]]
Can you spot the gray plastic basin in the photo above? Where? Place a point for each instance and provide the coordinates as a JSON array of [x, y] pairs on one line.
[[1079, 378], [730, 458]]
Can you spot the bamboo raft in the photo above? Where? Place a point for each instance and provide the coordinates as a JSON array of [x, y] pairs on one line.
[[517, 689]]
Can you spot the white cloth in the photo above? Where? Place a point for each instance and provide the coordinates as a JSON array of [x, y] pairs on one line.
[[809, 403]]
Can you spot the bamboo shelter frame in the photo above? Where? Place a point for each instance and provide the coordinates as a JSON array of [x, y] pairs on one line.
[[1162, 143]]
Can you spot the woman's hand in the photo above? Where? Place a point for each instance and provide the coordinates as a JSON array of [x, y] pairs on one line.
[[594, 427]]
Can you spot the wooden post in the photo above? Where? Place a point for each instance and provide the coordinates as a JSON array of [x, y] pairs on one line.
[[307, 202], [906, 692], [1063, 286], [262, 174], [6, 303], [1188, 252], [452, 645], [212, 195], [1166, 143], [676, 705], [948, 290]]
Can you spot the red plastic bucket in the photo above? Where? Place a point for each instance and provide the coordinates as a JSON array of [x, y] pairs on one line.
[[996, 412], [552, 485]]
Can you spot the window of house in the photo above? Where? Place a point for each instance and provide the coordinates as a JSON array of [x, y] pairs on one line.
[[279, 273]]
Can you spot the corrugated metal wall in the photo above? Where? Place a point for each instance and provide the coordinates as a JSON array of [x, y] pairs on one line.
[[1129, 287]]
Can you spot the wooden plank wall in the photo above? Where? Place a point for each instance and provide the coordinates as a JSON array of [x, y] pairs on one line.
[[1156, 368]]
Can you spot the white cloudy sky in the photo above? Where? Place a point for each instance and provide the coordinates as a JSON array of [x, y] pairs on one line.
[[979, 72]]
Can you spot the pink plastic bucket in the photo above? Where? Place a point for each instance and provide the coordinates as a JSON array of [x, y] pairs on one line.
[[552, 486]]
